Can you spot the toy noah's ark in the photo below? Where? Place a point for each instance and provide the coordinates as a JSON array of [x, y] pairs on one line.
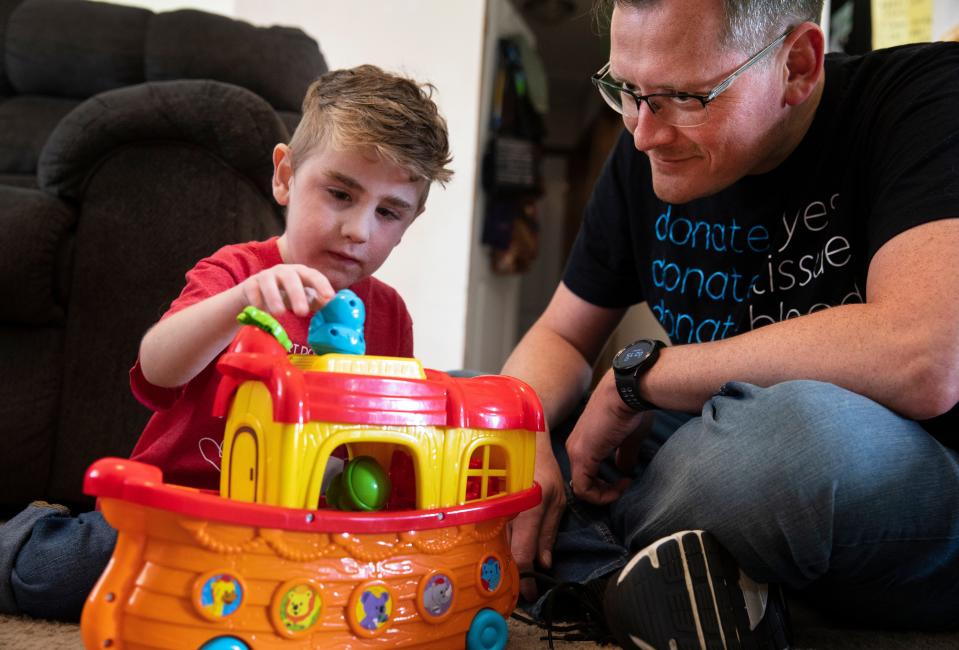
[[406, 546]]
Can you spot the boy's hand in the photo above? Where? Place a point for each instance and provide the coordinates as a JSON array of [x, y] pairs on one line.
[[295, 287]]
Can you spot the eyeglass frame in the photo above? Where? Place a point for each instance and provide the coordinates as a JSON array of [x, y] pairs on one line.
[[716, 91]]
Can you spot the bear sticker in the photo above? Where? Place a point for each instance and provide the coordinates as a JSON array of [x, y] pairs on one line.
[[371, 608], [300, 607]]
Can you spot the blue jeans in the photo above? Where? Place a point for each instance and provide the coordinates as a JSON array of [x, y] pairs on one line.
[[806, 484], [49, 561]]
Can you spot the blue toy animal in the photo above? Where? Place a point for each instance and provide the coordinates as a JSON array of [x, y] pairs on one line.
[[338, 327]]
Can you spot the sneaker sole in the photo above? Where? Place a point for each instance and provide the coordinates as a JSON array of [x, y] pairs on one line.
[[682, 593]]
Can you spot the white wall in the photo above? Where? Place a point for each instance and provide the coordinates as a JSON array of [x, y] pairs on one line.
[[493, 308], [440, 41], [431, 40], [945, 17], [225, 7]]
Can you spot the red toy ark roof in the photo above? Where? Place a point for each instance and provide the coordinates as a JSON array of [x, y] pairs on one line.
[[486, 402]]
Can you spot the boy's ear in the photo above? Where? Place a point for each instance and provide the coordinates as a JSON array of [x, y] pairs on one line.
[[282, 173]]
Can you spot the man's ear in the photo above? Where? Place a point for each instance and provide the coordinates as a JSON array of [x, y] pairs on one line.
[[282, 173], [805, 49]]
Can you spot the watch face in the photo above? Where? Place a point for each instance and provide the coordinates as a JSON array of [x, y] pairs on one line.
[[632, 354]]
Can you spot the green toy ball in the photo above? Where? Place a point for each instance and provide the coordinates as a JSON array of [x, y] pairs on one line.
[[362, 485]]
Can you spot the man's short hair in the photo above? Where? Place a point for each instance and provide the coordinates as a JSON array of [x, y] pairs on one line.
[[368, 108], [749, 24]]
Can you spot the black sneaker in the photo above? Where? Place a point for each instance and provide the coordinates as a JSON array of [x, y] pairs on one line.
[[571, 611], [686, 592]]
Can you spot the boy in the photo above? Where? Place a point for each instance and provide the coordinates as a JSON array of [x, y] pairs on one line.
[[355, 175]]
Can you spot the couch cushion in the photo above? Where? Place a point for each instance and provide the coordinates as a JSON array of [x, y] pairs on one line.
[[26, 121], [6, 8], [74, 49], [230, 122], [26, 181], [35, 231], [278, 63], [67, 48]]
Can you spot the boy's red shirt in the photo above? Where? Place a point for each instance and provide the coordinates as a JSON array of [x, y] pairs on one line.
[[182, 438]]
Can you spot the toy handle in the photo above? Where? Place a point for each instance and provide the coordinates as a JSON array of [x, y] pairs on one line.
[[259, 318]]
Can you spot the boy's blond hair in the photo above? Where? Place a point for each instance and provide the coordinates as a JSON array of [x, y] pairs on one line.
[[368, 108]]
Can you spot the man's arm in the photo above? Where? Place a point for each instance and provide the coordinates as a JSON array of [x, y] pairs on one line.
[[555, 357], [900, 348]]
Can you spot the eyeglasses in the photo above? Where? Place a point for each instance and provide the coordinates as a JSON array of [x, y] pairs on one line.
[[674, 108]]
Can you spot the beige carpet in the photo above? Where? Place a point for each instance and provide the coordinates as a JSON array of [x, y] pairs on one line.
[[30, 634]]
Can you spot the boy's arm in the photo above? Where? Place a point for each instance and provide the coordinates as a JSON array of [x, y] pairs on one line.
[[176, 349], [179, 347]]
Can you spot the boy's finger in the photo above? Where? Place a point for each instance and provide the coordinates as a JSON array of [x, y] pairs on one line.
[[272, 297], [252, 294], [295, 300], [319, 283], [319, 297], [294, 291]]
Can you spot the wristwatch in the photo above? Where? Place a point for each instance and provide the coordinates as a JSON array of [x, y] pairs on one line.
[[629, 364]]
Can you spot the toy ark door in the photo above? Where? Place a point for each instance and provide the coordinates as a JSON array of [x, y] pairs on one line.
[[243, 470]]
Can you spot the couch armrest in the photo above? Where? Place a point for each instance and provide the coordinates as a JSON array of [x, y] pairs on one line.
[[229, 122], [35, 236]]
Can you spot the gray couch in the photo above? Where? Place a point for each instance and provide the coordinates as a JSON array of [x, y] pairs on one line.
[[131, 145]]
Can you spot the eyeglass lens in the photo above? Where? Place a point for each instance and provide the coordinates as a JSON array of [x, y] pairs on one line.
[[677, 111]]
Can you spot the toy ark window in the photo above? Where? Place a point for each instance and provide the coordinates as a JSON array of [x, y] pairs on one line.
[[486, 473], [371, 477]]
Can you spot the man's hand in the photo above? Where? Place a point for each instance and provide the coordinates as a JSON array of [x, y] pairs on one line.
[[533, 532], [283, 287], [606, 424]]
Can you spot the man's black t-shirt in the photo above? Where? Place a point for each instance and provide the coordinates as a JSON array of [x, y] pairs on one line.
[[881, 156]]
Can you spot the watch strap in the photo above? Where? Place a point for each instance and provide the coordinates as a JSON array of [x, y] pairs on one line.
[[627, 384]]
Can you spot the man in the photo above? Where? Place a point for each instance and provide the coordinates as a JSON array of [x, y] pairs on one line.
[[790, 219]]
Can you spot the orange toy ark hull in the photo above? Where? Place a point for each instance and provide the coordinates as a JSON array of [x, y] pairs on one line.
[[186, 573], [411, 551]]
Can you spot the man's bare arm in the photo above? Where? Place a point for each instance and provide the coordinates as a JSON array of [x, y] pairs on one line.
[[555, 356]]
